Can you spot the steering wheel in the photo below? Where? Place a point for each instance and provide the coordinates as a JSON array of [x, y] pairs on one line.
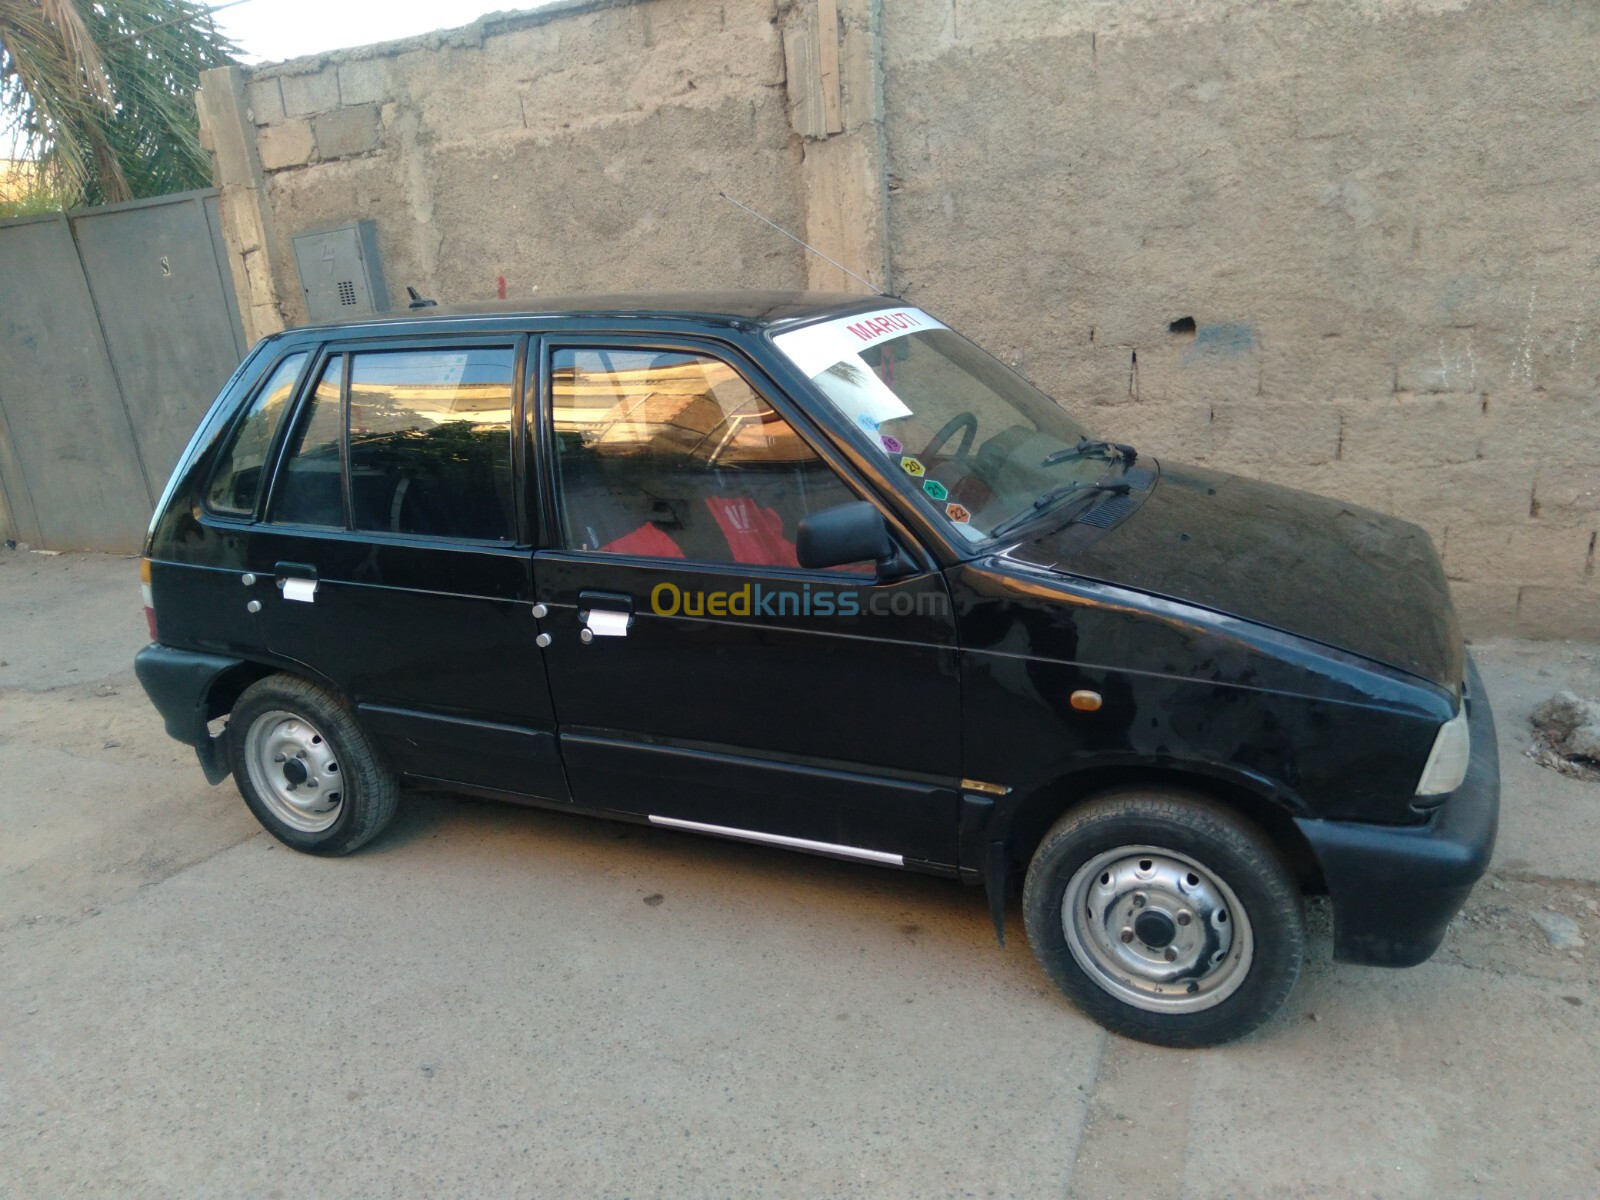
[[965, 421]]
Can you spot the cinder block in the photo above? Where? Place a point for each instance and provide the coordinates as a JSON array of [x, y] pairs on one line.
[[1253, 433], [364, 81], [1526, 553], [289, 144], [265, 99], [347, 131], [1560, 612], [1567, 494], [307, 94], [1486, 609], [1411, 429]]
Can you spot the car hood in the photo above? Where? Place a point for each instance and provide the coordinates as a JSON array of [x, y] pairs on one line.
[[1309, 565]]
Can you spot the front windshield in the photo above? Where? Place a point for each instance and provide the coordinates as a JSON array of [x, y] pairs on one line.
[[972, 434]]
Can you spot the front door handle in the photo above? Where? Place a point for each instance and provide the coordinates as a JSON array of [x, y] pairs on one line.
[[604, 614]]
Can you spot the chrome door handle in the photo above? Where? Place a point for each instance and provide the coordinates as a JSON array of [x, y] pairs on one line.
[[604, 614]]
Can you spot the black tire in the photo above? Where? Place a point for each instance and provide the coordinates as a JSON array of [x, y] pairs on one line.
[[358, 787], [1263, 955]]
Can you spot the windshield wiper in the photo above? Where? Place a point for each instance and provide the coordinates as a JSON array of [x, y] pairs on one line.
[[1087, 447], [1055, 496]]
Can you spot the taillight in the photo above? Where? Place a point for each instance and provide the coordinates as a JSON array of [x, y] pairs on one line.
[[149, 599]]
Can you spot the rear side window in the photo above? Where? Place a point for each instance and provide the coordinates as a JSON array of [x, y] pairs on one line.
[[236, 483], [430, 442], [426, 446], [311, 484]]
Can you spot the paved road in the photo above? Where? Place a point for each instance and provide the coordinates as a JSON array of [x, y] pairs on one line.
[[491, 1001]]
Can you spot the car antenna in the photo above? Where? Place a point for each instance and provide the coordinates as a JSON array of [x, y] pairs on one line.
[[807, 245], [417, 301]]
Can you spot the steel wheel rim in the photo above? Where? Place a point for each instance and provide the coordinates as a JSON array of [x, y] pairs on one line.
[[294, 770], [1157, 929]]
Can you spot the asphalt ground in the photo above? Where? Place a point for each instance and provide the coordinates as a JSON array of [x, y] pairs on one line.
[[496, 1001]]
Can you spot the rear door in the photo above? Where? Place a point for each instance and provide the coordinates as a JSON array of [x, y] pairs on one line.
[[701, 677], [393, 562]]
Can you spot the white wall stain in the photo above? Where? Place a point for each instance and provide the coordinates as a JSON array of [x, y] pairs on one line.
[[1522, 361]]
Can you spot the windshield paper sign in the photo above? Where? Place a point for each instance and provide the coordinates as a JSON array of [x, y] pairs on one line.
[[835, 346]]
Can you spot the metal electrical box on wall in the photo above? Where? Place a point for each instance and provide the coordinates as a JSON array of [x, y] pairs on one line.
[[340, 273]]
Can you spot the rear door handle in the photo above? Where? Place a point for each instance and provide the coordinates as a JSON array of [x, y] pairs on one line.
[[604, 614], [297, 581]]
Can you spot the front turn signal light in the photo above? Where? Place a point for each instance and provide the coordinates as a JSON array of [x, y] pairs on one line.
[[1447, 762]]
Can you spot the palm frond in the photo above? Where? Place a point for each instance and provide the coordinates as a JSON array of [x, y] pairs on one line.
[[101, 92]]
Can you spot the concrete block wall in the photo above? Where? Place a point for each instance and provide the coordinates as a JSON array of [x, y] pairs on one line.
[[1348, 247], [1351, 247], [577, 147]]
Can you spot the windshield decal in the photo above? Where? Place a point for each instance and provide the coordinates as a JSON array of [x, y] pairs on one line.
[[912, 467], [957, 513], [836, 346], [891, 444]]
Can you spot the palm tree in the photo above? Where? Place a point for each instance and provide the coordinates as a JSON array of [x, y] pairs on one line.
[[101, 94]]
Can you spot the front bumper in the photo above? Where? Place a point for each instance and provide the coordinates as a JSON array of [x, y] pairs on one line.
[[1395, 888]]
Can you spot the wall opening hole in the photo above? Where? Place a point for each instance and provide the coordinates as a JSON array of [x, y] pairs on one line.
[[1182, 325]]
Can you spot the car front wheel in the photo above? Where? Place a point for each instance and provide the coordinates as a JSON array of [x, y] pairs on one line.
[[1165, 916], [305, 768]]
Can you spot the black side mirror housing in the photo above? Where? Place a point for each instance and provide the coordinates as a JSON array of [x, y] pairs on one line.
[[844, 534]]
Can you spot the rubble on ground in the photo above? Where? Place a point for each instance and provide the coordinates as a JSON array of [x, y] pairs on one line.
[[1566, 735]]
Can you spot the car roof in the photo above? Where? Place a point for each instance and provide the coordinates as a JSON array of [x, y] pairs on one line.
[[727, 307]]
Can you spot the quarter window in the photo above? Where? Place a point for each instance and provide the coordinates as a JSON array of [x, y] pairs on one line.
[[675, 455], [236, 484]]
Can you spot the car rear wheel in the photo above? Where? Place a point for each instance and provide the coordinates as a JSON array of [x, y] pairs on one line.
[[306, 770], [1165, 916]]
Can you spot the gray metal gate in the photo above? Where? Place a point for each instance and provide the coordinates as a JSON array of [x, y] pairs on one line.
[[117, 327]]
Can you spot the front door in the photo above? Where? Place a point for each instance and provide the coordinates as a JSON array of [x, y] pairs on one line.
[[701, 677], [394, 565]]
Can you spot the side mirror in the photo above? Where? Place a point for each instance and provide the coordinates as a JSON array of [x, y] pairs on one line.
[[844, 534]]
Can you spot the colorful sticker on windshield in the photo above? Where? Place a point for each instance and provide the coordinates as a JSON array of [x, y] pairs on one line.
[[912, 467], [891, 445], [867, 422], [957, 513], [935, 489]]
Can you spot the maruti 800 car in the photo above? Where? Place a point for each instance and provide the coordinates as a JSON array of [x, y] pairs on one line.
[[815, 571]]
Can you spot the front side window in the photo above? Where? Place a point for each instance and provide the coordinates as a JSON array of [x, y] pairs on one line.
[[430, 442], [676, 455], [236, 483], [979, 442]]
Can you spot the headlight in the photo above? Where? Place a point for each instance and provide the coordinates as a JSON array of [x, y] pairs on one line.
[[1447, 763]]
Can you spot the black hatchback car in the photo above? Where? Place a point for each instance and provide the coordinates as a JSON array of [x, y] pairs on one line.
[[815, 571]]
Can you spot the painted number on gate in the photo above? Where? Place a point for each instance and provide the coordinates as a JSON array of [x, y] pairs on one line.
[[935, 489], [912, 467]]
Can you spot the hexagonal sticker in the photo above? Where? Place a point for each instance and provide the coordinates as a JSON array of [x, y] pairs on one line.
[[935, 489], [912, 467], [891, 444], [957, 513]]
